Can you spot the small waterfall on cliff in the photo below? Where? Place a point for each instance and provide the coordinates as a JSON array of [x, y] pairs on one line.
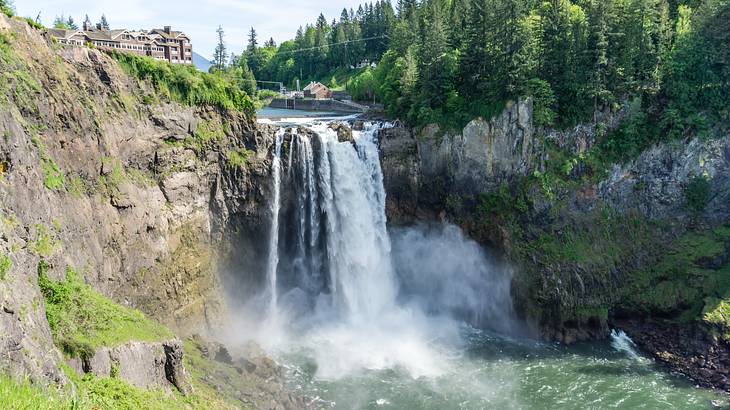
[[273, 260]]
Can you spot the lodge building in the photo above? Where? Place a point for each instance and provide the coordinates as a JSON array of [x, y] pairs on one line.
[[160, 44]]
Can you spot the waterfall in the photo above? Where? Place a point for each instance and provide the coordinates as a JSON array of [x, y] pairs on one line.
[[338, 285], [331, 248], [273, 260]]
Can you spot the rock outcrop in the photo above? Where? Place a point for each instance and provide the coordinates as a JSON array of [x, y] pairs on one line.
[[148, 365], [590, 247], [421, 171], [136, 197]]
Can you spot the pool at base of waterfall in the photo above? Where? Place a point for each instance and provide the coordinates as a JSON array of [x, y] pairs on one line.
[[494, 372], [364, 316]]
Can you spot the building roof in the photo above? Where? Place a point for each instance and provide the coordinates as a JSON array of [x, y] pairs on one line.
[[315, 86], [64, 34]]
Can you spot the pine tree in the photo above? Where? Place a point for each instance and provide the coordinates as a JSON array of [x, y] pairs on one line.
[[270, 43], [71, 24], [220, 55], [434, 71], [104, 24], [87, 22], [253, 44]]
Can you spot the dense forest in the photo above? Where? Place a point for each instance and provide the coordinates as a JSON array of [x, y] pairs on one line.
[[447, 61]]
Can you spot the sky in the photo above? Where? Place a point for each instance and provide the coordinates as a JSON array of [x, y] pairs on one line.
[[199, 19]]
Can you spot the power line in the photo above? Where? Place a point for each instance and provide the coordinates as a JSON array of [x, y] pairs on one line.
[[330, 45]]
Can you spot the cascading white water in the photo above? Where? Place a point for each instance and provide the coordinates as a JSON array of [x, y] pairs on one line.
[[273, 260], [341, 188], [331, 277], [365, 317]]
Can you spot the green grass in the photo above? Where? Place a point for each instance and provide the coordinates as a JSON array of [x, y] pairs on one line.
[[186, 85], [83, 320], [95, 393], [45, 243], [23, 395], [5, 265], [239, 158], [53, 177]]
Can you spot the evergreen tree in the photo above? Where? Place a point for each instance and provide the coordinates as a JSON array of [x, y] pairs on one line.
[[61, 22], [71, 24], [87, 22], [220, 55], [253, 44], [104, 24]]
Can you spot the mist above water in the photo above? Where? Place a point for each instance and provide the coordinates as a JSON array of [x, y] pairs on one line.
[[342, 289], [443, 272], [408, 318]]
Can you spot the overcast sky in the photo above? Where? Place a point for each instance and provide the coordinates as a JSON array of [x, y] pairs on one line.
[[199, 19]]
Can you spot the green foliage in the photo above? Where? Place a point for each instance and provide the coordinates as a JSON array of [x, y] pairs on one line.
[[53, 178], [115, 394], [110, 182], [82, 319], [6, 7], [449, 62], [76, 187], [5, 265], [34, 24], [184, 84], [695, 77], [17, 83], [91, 392], [24, 395], [45, 243], [717, 312], [683, 282], [239, 158], [697, 193]]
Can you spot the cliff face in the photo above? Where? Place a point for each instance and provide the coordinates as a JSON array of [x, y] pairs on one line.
[[645, 241], [135, 197]]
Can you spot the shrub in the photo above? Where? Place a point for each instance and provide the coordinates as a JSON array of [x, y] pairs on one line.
[[697, 193], [45, 244], [185, 84], [5, 265], [239, 158], [23, 395]]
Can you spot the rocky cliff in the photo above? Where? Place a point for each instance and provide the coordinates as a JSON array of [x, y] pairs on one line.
[[100, 174], [593, 243]]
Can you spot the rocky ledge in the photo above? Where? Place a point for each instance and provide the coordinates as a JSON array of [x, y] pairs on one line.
[[689, 350]]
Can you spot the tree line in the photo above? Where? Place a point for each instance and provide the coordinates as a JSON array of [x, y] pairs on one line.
[[320, 49], [447, 61]]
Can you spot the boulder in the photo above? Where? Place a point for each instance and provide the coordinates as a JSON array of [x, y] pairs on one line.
[[148, 365], [344, 133]]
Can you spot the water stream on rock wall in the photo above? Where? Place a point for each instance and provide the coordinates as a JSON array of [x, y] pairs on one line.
[[363, 316]]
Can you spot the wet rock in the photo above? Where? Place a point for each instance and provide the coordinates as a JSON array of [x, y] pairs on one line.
[[684, 347], [344, 133]]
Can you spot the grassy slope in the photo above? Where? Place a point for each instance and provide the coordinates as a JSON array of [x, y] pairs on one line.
[[82, 320]]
